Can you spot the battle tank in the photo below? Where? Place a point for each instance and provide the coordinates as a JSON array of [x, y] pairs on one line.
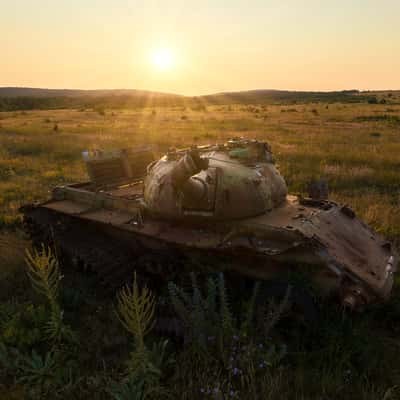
[[211, 208]]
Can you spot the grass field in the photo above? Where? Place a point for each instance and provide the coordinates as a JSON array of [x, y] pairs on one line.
[[356, 147]]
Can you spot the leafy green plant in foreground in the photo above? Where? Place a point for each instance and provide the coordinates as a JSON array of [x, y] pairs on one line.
[[224, 356], [38, 370], [204, 317], [209, 314], [130, 390], [40, 374], [23, 328]]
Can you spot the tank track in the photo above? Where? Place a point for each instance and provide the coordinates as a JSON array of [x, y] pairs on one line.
[[83, 248]]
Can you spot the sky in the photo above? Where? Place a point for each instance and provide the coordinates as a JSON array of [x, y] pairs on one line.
[[199, 47]]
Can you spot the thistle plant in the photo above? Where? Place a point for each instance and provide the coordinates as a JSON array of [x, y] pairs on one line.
[[44, 274], [135, 310]]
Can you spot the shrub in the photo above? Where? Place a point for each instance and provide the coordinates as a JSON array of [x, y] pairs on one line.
[[199, 107], [391, 119], [209, 136]]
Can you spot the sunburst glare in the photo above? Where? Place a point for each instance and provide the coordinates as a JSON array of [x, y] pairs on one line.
[[162, 59]]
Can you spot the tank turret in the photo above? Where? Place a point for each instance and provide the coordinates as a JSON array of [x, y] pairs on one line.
[[236, 180]]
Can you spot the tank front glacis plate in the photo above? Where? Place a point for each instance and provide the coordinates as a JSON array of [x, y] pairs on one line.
[[347, 244], [362, 252]]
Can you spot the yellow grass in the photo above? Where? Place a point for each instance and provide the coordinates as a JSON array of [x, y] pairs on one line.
[[358, 153]]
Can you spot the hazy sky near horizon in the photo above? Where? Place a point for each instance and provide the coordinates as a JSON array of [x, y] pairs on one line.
[[213, 46]]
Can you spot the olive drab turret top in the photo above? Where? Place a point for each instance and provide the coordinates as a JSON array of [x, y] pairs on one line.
[[236, 180]]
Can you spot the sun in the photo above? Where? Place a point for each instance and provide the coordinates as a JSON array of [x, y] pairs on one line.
[[162, 59]]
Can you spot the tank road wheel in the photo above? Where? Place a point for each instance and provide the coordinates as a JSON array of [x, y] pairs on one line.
[[286, 306]]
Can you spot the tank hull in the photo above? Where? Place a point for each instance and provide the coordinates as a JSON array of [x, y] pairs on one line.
[[337, 252]]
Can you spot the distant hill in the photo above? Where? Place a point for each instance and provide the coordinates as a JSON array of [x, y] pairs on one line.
[[16, 98], [40, 93], [281, 96]]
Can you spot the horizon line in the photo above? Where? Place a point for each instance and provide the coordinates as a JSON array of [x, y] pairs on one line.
[[202, 95]]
